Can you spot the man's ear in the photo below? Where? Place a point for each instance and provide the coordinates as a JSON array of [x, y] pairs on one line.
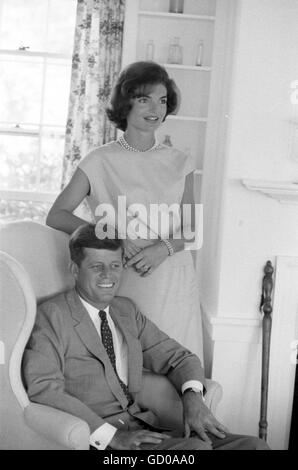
[[74, 269]]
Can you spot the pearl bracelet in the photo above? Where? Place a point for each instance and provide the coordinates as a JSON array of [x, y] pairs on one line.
[[169, 247]]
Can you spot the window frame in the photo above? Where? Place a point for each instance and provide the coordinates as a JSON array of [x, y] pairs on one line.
[[10, 128]]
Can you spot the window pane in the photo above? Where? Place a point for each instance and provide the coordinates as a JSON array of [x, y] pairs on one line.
[[34, 92], [51, 161], [11, 211], [62, 19], [43, 25], [56, 92], [23, 23], [20, 89], [18, 162]]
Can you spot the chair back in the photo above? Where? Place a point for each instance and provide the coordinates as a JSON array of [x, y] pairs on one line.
[[44, 254], [34, 262]]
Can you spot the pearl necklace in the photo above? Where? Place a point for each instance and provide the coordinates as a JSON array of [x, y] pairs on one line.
[[124, 144]]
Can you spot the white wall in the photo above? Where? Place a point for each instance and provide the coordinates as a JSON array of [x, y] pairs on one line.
[[256, 227], [249, 228]]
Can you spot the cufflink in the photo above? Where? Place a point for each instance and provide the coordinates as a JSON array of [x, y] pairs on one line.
[[191, 389], [195, 390]]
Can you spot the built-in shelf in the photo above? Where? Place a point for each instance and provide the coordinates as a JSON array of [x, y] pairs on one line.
[[177, 16], [186, 118], [191, 68], [285, 192], [195, 24]]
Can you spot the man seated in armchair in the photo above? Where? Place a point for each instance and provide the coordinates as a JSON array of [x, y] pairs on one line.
[[87, 352]]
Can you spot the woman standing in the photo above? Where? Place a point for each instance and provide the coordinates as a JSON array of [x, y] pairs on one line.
[[160, 275]]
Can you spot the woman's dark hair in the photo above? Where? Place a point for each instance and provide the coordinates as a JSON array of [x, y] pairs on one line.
[[134, 81], [85, 237]]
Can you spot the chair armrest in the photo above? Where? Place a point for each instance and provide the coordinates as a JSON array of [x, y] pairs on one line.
[[56, 425], [213, 395], [159, 395]]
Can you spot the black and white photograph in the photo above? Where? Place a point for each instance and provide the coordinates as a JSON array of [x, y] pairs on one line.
[[148, 227]]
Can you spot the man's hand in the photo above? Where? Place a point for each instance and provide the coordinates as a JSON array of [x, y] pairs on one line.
[[198, 418], [131, 440]]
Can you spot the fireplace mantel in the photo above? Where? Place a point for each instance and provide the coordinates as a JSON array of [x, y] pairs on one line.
[[285, 192]]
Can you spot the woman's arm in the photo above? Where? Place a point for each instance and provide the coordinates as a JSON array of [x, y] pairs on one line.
[[152, 256], [60, 215]]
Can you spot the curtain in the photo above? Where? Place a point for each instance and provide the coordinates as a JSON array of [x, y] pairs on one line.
[[96, 65]]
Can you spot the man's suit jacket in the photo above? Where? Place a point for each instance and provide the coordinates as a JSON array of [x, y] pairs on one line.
[[66, 366]]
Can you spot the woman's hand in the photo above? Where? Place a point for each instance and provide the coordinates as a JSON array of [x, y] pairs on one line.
[[149, 258], [130, 249]]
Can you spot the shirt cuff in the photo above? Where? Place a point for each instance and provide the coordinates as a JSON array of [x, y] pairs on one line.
[[195, 384], [102, 436]]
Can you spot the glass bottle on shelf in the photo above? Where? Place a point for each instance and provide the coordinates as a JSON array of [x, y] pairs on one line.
[[176, 6], [150, 48], [200, 54], [175, 52], [167, 140]]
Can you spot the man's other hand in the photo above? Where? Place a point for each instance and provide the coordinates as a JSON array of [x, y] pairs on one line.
[[199, 419]]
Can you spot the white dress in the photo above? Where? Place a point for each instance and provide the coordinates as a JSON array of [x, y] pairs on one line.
[[169, 296]]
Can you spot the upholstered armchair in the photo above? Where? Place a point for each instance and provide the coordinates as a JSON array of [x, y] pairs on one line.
[[34, 263]]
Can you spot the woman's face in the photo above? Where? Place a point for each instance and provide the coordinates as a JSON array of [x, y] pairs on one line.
[[148, 110]]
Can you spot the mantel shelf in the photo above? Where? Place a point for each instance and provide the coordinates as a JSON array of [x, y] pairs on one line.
[[194, 68], [179, 117], [177, 16], [285, 192]]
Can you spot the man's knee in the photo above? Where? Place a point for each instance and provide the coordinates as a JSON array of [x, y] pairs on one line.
[[255, 443], [260, 444]]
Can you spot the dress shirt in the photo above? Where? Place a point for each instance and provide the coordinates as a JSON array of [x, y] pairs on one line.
[[103, 435]]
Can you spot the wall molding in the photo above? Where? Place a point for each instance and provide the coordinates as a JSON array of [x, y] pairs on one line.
[[232, 328], [237, 341]]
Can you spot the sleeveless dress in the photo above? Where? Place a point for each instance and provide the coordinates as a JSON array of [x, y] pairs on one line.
[[169, 296]]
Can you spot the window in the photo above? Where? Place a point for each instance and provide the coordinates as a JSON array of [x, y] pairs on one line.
[[36, 43]]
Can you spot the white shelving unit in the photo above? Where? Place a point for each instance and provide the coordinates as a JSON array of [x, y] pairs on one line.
[[150, 20]]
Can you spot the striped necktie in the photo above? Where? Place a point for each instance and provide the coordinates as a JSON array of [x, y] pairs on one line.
[[107, 341]]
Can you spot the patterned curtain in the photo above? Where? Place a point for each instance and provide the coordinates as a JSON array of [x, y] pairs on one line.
[[96, 65]]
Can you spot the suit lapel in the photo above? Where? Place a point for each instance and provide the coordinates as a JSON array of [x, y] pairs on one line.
[[85, 327], [122, 319], [86, 330]]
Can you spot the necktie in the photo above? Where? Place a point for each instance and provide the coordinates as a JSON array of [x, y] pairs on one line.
[[107, 341]]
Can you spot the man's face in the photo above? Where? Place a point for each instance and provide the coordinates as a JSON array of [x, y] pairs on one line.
[[99, 275]]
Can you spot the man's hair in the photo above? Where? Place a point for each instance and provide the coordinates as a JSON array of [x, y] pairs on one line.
[[134, 81], [85, 237]]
